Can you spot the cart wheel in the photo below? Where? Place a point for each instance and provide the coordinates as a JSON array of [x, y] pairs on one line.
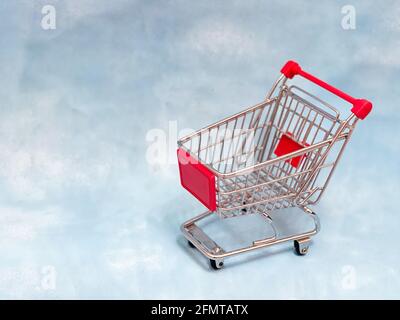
[[216, 265], [244, 210], [301, 246], [191, 244]]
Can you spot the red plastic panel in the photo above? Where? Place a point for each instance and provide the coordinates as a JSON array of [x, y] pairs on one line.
[[197, 179], [287, 145]]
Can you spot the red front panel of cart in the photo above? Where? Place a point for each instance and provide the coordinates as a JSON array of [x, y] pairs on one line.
[[197, 179]]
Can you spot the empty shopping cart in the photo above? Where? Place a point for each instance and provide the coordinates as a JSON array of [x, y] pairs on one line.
[[277, 154]]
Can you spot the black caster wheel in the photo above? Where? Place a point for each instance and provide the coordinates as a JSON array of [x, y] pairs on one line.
[[216, 265], [244, 210], [301, 248], [191, 244]]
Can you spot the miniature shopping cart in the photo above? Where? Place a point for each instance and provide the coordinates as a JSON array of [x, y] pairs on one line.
[[277, 154]]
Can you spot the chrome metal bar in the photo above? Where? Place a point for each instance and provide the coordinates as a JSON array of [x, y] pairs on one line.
[[270, 161]]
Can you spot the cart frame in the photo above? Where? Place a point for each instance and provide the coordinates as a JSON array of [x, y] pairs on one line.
[[285, 170]]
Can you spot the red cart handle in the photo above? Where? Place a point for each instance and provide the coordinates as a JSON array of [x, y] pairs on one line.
[[361, 107]]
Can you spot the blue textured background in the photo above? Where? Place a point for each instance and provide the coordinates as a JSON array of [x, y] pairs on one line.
[[76, 104]]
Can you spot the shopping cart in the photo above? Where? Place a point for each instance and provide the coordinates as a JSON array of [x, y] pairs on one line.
[[277, 154]]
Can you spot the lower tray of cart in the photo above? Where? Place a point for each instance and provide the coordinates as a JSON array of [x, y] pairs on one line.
[[243, 230]]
